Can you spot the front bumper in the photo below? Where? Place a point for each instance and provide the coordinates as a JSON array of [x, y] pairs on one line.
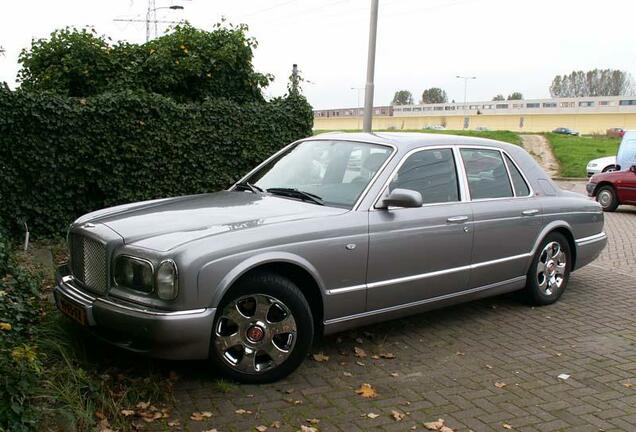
[[590, 187], [180, 335]]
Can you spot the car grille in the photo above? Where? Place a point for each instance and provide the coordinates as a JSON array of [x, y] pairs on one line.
[[89, 263]]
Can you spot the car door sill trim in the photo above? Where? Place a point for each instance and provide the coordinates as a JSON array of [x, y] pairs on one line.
[[423, 302]]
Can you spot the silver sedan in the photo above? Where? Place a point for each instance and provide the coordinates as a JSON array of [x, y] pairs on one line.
[[332, 232]]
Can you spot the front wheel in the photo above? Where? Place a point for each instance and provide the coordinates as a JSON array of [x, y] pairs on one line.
[[606, 197], [550, 270], [263, 329]]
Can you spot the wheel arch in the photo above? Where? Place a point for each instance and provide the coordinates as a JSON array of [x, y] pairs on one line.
[[297, 269], [602, 184], [561, 227]]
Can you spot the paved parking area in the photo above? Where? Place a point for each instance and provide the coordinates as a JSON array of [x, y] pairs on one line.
[[481, 366]]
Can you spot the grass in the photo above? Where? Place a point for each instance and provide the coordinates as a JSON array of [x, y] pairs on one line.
[[574, 152], [505, 136]]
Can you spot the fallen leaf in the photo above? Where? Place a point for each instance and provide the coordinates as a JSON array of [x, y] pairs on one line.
[[563, 376], [261, 428], [459, 353], [506, 426], [174, 423], [367, 391], [359, 363], [359, 352], [347, 374], [435, 425], [241, 411], [200, 416], [5, 326], [628, 384], [387, 355], [275, 424], [211, 430], [312, 420], [394, 374], [127, 413], [320, 357], [488, 366], [304, 428], [500, 384], [143, 405], [397, 416], [375, 357], [373, 415]]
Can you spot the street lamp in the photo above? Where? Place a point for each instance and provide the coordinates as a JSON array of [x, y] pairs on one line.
[[465, 78], [368, 96], [153, 10]]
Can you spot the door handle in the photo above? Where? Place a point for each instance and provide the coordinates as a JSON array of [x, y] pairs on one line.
[[457, 219], [530, 212]]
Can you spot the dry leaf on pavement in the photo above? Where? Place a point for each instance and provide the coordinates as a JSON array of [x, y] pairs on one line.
[[397, 416], [127, 413], [174, 423], [506, 426], [500, 384], [143, 405], [312, 420], [242, 411], [347, 374], [275, 424], [387, 355], [360, 353], [628, 384], [200, 416], [394, 374], [304, 428], [438, 426], [320, 357], [373, 415], [367, 391], [261, 428]]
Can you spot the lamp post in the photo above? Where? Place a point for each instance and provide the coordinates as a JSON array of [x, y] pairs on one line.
[[465, 78], [368, 97], [153, 10]]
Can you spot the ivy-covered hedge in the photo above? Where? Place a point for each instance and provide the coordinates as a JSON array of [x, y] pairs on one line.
[[61, 157]]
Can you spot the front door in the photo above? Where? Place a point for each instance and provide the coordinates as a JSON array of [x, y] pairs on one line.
[[420, 253], [626, 187]]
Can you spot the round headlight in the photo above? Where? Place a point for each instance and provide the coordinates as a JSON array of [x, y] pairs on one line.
[[167, 280], [133, 273]]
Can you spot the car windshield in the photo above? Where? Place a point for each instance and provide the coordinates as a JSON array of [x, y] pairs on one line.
[[334, 172]]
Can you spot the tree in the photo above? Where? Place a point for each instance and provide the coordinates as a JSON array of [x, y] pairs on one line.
[[434, 95], [597, 82], [515, 96], [187, 64], [499, 97], [402, 97]]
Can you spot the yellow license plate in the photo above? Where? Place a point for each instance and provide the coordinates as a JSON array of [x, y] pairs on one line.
[[74, 311]]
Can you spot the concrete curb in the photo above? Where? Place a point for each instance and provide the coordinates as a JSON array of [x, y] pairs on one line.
[[585, 179]]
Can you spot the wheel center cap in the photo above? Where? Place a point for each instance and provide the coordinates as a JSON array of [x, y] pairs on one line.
[[255, 333], [551, 267]]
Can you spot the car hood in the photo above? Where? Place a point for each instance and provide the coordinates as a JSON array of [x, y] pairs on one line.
[[608, 160], [168, 223]]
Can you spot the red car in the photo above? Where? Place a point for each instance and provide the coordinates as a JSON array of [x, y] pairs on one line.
[[616, 132], [613, 188]]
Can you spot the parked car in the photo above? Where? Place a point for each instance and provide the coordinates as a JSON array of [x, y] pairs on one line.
[[435, 127], [616, 132], [599, 165], [612, 189], [308, 244], [565, 131]]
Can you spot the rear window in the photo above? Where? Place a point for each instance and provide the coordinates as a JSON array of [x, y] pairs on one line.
[[520, 185], [487, 174]]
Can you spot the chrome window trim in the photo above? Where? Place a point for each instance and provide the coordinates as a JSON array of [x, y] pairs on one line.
[[364, 192], [427, 275], [509, 158], [503, 152], [462, 192]]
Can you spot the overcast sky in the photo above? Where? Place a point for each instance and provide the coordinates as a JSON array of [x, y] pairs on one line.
[[510, 45]]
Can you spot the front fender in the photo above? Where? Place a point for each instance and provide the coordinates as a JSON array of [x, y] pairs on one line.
[[217, 277]]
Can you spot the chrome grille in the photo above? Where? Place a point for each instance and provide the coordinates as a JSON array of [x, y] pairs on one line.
[[89, 262]]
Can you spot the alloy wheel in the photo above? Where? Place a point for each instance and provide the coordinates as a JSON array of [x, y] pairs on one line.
[[255, 333], [551, 268]]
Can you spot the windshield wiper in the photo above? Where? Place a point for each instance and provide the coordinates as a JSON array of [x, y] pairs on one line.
[[249, 186], [305, 196]]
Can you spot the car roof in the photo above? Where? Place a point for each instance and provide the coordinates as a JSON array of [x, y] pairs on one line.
[[410, 140]]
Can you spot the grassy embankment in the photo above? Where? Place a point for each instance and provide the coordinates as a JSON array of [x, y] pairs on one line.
[[574, 152]]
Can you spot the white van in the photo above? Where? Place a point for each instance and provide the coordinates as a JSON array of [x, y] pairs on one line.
[[626, 156]]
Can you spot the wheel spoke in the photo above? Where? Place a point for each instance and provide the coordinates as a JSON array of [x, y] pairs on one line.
[[263, 304], [286, 325], [560, 269], [247, 363], [277, 355], [229, 341], [232, 313]]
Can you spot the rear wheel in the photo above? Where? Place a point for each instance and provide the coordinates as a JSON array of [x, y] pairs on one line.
[[606, 197], [263, 329], [550, 270]]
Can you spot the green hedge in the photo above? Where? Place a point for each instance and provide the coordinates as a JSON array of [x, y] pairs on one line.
[[61, 157]]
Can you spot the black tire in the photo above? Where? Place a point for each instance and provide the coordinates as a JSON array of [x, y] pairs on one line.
[[610, 168], [257, 287], [606, 197], [538, 293]]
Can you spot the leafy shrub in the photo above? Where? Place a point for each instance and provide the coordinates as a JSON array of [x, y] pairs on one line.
[[61, 157]]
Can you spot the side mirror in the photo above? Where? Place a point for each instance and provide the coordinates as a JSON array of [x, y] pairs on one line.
[[633, 169], [402, 198]]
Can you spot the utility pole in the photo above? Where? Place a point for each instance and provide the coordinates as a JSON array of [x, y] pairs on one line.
[[367, 124], [294, 79], [465, 78]]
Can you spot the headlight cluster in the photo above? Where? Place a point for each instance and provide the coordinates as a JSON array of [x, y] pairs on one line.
[[139, 274], [592, 165]]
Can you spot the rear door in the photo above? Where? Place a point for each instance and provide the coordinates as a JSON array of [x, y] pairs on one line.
[[424, 252], [507, 217]]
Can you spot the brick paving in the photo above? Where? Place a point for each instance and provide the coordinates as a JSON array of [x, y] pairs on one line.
[[447, 363]]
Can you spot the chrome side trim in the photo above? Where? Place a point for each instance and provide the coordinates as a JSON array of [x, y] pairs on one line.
[[423, 302], [427, 275], [584, 241]]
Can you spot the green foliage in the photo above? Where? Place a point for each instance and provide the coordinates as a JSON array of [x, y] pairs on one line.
[[187, 64], [499, 97], [434, 95], [402, 97], [574, 152], [515, 96], [61, 157], [597, 82]]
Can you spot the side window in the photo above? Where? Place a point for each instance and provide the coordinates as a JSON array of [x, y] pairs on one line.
[[521, 187], [487, 175], [430, 172]]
